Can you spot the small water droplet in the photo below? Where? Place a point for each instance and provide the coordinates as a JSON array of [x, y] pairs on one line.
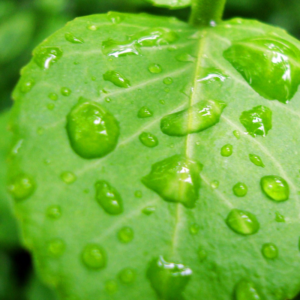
[[111, 286], [149, 210], [255, 159], [215, 184], [227, 150], [45, 57], [108, 100], [56, 247], [202, 254], [65, 91], [115, 17], [94, 257], [117, 79], [168, 279], [269, 250], [127, 276], [27, 86], [92, 27], [245, 290], [240, 189], [92, 130], [126, 235], [109, 198], [275, 187], [68, 177], [70, 37], [185, 57], [197, 118], [21, 187], [257, 121], [138, 194], [54, 212], [242, 222], [53, 96], [148, 139], [237, 134], [211, 75], [194, 229], [155, 68], [50, 106], [168, 80], [162, 102], [144, 112], [279, 217], [47, 161], [175, 179]]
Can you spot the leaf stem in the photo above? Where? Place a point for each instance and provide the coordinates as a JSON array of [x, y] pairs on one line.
[[206, 12]]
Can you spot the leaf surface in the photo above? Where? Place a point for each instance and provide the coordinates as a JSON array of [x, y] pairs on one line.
[[174, 4]]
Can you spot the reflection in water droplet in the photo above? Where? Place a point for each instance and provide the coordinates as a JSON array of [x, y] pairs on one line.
[[255, 159], [115, 17], [73, 39], [127, 275], [185, 57], [175, 179], [242, 222], [215, 184], [168, 80], [168, 279], [237, 134], [227, 150], [148, 139], [240, 189], [211, 75], [45, 57], [245, 290], [194, 229], [279, 217], [27, 86], [53, 96], [92, 130], [56, 247], [111, 286], [201, 254], [155, 69], [269, 251], [269, 64], [109, 198], [144, 112], [54, 212], [117, 79], [257, 121], [65, 91], [194, 119], [275, 187], [68, 177], [21, 187], [94, 257], [126, 235], [149, 210]]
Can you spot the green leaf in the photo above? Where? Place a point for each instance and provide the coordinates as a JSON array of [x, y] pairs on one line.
[[105, 213], [174, 4]]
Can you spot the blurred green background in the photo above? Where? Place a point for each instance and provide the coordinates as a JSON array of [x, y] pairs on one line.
[[23, 25]]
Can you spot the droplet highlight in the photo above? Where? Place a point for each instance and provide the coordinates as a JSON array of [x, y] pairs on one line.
[[70, 37], [21, 187], [68, 177], [275, 187], [94, 257], [155, 68], [144, 112], [227, 150], [148, 139], [269, 251], [45, 57], [256, 160], [240, 189], [245, 290], [117, 79]]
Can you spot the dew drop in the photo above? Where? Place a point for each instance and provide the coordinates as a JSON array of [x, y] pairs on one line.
[[227, 150], [162, 102], [111, 286], [155, 69], [92, 27], [115, 18], [237, 134], [127, 276], [275, 187], [144, 112], [245, 290], [168, 279], [255, 159], [202, 254], [215, 184], [117, 79], [195, 119], [108, 100], [168, 80], [93, 257], [257, 121], [242, 222], [70, 37], [92, 130], [56, 247], [65, 91], [148, 139], [27, 86], [68, 177], [185, 57], [45, 57], [126, 235], [21, 187], [211, 75], [50, 106], [240, 189], [109, 198], [54, 212], [279, 217], [149, 210], [269, 251], [175, 179], [194, 229], [53, 96]]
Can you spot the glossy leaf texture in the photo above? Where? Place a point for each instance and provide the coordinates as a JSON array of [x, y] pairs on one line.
[[173, 4], [154, 163]]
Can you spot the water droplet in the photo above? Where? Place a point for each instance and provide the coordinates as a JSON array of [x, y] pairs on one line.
[[127, 276], [257, 121], [268, 64], [56, 247], [47, 161], [240, 189], [255, 159], [149, 210], [21, 187], [27, 86], [115, 17], [65, 91], [211, 75], [162, 102], [53, 96], [111, 286], [50, 106], [175, 179], [194, 229], [109, 198], [168, 279], [155, 68], [275, 187], [269, 251], [201, 254], [242, 222], [185, 57], [54, 212], [94, 257], [92, 130], [148, 139], [108, 100], [279, 217], [144, 112], [117, 79], [45, 57], [73, 39], [237, 134], [126, 235], [245, 290], [168, 80], [215, 184], [227, 150], [92, 27], [68, 177], [138, 194], [194, 119]]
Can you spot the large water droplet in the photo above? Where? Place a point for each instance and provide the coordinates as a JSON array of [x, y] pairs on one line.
[[117, 79], [211, 75], [127, 275], [257, 121], [240, 189], [242, 222], [175, 179], [54, 212], [275, 187], [194, 119], [109, 198], [94, 257], [47, 56], [145, 112], [115, 17], [245, 290], [148, 139], [155, 69], [56, 247], [92, 130], [168, 279], [21, 187], [255, 159], [126, 234], [268, 64], [227, 150], [269, 250], [70, 37]]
